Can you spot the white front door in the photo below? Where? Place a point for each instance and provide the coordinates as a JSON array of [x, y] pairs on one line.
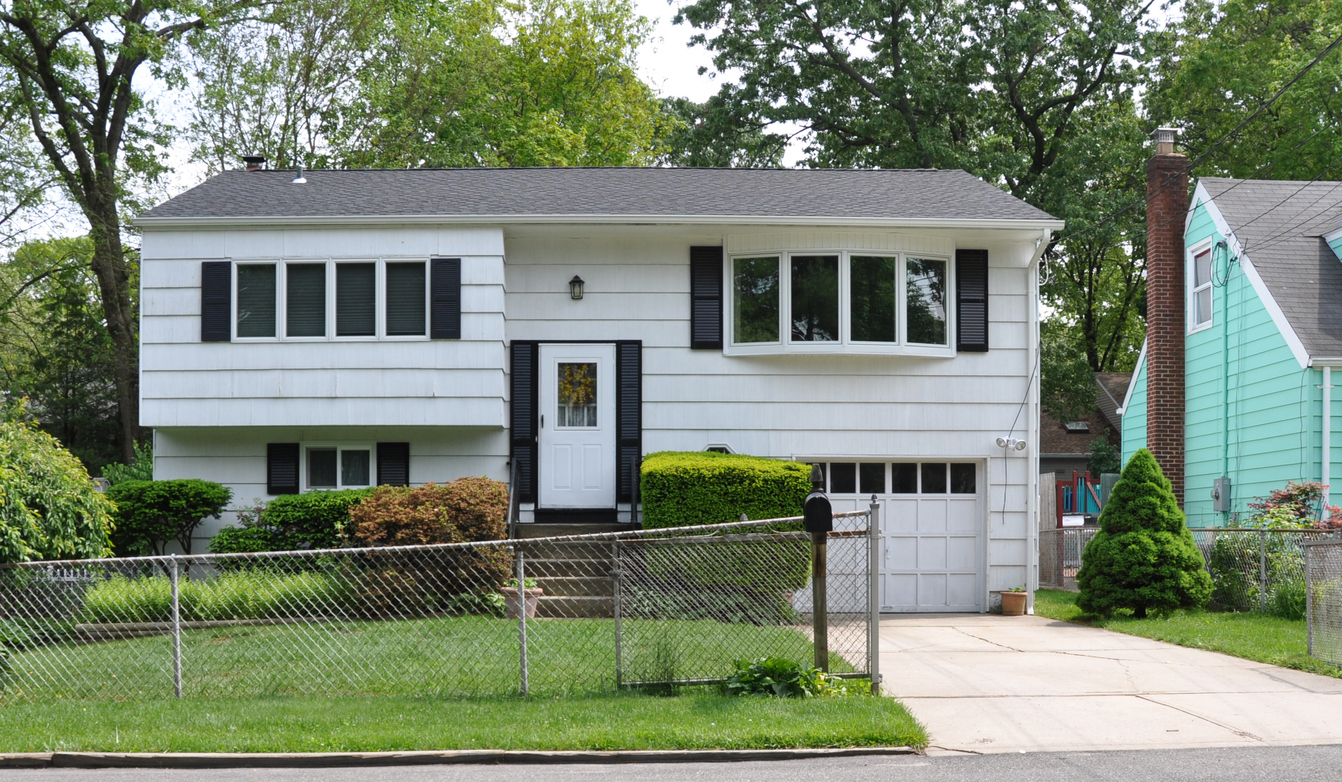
[[577, 426]]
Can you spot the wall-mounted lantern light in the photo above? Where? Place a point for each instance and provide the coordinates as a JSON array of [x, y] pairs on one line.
[[575, 287]]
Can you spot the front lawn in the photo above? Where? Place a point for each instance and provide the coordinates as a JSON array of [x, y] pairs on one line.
[[444, 657], [700, 719], [1253, 636]]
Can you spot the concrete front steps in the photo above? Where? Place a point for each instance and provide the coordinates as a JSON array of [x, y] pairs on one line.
[[576, 577]]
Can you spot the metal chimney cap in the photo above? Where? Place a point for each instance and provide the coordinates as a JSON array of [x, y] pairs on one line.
[[1165, 140], [254, 162]]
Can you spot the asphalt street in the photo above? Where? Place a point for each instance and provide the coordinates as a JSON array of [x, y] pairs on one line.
[[1236, 764]]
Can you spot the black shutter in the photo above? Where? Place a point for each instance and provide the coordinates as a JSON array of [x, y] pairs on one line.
[[971, 305], [523, 378], [445, 298], [393, 464], [216, 301], [706, 298], [282, 468], [628, 412]]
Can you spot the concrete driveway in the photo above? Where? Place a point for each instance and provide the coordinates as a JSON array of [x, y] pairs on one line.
[[985, 683]]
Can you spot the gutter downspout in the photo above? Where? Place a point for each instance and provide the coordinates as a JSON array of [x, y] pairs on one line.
[[1326, 472], [1032, 480]]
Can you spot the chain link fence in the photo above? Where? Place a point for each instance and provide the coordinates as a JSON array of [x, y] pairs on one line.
[[1252, 569], [540, 615], [1323, 590]]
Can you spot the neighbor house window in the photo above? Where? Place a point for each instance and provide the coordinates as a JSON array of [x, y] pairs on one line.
[[821, 302], [305, 306], [331, 299], [356, 300], [1201, 305], [339, 467], [405, 299], [256, 300]]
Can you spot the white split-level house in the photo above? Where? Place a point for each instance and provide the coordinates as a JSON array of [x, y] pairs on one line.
[[367, 327]]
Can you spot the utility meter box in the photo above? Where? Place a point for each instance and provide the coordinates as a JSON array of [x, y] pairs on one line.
[[1221, 495]]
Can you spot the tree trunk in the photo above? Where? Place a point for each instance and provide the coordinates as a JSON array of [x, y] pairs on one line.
[[109, 266]]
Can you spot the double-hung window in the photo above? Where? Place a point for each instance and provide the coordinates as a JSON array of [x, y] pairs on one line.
[[338, 466], [309, 300], [1200, 289], [855, 302]]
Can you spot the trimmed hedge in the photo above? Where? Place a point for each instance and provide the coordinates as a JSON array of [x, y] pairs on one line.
[[687, 489], [682, 489]]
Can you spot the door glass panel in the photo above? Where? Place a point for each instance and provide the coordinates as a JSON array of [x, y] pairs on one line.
[[872, 315], [354, 468], [755, 300], [872, 478], [577, 394], [905, 478], [321, 468], [962, 479], [815, 298], [926, 285], [843, 478], [934, 478]]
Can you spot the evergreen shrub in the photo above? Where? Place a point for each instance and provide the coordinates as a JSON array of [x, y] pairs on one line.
[[151, 513], [1143, 558]]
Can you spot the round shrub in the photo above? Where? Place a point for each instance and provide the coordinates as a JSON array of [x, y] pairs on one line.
[[151, 513], [49, 506], [1143, 558]]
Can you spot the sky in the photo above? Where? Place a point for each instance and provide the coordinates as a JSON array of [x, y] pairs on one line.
[[666, 62]]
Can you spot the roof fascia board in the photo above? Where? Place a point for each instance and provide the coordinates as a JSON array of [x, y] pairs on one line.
[[1251, 273], [1132, 386], [156, 223], [1333, 236]]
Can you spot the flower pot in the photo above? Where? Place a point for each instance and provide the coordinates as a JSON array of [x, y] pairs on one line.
[[532, 598], [1013, 604]]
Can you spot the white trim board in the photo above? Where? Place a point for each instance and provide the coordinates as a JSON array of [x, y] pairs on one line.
[[1297, 347], [1136, 372]]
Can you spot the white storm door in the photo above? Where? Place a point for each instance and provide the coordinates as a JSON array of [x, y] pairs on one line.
[[577, 426]]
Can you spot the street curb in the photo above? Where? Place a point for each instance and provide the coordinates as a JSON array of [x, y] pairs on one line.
[[202, 760]]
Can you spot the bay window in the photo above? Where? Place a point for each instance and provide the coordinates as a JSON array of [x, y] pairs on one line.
[[839, 302]]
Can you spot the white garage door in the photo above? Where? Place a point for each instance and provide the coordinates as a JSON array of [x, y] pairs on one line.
[[932, 530]]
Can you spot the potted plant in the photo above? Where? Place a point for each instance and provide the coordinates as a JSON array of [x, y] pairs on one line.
[[531, 593], [1013, 601]]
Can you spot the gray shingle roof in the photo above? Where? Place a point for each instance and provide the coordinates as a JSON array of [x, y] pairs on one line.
[[1280, 225], [611, 193]]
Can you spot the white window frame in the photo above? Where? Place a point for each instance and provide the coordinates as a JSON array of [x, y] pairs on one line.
[[1190, 279], [339, 446], [282, 298], [845, 344]]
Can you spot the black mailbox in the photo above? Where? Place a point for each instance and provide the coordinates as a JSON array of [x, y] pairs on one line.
[[818, 513]]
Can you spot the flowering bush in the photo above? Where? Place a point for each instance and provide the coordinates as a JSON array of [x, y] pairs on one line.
[[1298, 506]]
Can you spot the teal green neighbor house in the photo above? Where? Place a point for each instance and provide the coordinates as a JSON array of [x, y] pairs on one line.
[[1262, 298]]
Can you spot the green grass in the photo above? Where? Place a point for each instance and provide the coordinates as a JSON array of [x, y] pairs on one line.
[[700, 720], [457, 656], [1253, 636]]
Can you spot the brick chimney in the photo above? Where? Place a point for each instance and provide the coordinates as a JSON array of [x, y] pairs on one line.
[[1166, 206]]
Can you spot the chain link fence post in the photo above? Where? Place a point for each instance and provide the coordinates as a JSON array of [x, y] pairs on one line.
[[874, 595], [1262, 571], [616, 565], [176, 626], [522, 615]]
